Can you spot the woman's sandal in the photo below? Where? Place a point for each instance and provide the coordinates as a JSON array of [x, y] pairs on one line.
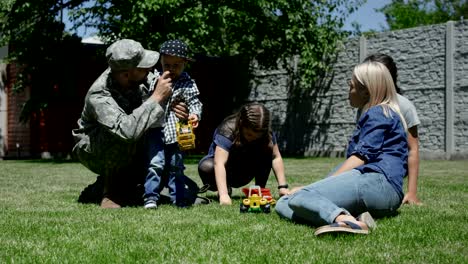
[[367, 219], [341, 227]]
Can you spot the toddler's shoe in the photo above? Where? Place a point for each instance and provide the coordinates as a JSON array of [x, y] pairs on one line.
[[150, 204]]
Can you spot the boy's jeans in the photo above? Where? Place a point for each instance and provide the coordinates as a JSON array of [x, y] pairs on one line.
[[156, 161], [351, 193], [164, 158], [175, 168]]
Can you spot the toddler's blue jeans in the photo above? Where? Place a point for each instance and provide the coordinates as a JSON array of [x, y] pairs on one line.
[[164, 160]]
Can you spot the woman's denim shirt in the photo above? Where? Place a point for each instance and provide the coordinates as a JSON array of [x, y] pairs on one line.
[[381, 142]]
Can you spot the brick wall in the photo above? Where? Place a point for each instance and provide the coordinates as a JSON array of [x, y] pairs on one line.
[[48, 132], [18, 143]]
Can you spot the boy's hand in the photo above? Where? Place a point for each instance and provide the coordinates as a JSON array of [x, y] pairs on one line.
[[193, 119]]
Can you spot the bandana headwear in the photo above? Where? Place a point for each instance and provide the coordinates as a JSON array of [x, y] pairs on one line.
[[175, 48]]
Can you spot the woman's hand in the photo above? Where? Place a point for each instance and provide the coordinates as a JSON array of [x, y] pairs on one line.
[[283, 191], [225, 200], [411, 199], [295, 189]]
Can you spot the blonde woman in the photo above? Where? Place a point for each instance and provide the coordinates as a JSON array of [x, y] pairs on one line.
[[371, 178]]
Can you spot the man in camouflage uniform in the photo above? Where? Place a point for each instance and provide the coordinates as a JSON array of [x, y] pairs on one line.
[[118, 111]]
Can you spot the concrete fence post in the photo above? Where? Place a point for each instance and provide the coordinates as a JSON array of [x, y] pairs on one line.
[[362, 48], [449, 83]]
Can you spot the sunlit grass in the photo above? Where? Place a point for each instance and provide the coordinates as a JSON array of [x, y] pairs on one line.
[[41, 222]]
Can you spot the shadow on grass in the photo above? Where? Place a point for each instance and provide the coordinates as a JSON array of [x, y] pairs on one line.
[[39, 160], [188, 159]]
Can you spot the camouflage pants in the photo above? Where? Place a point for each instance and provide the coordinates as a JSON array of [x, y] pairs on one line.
[[120, 164]]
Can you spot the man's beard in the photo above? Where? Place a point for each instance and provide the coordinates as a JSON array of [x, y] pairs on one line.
[[135, 84]]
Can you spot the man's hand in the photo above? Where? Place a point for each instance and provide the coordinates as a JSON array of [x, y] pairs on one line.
[[180, 109], [163, 88], [193, 119]]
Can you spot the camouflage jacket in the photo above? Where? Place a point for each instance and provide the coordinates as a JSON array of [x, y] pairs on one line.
[[113, 122]]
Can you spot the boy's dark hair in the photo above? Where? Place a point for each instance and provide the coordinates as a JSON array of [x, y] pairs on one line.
[[389, 63]]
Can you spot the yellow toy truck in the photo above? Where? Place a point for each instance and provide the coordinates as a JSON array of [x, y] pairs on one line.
[[259, 200], [185, 136]]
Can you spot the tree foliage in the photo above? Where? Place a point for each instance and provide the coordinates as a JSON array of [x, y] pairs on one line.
[[264, 30], [413, 13], [268, 31]]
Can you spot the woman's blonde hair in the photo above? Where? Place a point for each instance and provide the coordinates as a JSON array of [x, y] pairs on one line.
[[376, 78]]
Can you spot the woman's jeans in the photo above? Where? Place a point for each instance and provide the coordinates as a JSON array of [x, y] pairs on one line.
[[351, 193]]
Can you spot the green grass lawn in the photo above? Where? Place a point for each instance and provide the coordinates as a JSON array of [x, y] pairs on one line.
[[41, 222]]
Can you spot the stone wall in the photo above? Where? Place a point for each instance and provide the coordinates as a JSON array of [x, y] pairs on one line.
[[433, 73]]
